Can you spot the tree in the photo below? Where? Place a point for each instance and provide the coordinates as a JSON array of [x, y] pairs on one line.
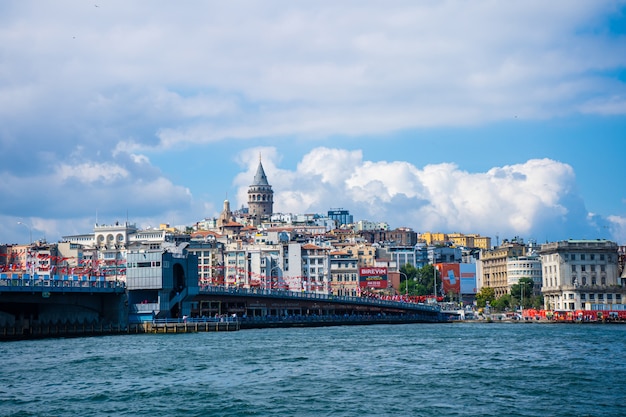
[[502, 303], [522, 292], [408, 273], [485, 294]]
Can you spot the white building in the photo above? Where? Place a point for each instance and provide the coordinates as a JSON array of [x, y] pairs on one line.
[[524, 267], [581, 275]]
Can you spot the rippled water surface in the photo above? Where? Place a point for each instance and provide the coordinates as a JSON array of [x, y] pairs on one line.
[[495, 369]]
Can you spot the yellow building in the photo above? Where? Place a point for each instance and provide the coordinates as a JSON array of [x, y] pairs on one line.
[[433, 238], [365, 254], [459, 239], [493, 266], [481, 242]]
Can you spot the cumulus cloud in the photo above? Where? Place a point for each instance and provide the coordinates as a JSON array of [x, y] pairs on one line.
[[536, 199], [92, 99]]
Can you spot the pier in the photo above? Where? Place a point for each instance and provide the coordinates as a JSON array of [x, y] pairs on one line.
[[191, 325]]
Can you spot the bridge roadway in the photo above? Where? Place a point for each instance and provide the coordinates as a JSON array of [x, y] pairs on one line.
[[275, 308], [28, 301]]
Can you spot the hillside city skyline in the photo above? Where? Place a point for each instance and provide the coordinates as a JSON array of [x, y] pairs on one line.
[[243, 216]]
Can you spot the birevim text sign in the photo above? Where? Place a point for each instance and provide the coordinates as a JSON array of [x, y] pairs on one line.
[[373, 277]]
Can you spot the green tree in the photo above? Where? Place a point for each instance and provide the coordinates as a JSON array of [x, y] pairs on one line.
[[408, 275], [522, 292], [502, 303], [418, 280], [485, 294], [425, 279]]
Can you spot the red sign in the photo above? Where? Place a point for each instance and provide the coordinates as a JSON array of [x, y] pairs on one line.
[[373, 277], [451, 276]]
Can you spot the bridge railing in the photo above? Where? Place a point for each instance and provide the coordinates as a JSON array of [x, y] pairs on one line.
[[55, 283], [226, 290]]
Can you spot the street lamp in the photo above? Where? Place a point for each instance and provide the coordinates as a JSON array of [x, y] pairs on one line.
[[30, 231], [406, 282], [435, 281]]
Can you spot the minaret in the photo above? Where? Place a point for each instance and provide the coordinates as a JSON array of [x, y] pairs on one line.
[[260, 196], [226, 216]]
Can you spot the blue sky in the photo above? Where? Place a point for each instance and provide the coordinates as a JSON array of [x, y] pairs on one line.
[[498, 118]]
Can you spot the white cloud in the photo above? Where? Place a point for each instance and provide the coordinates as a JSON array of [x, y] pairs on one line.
[[134, 83], [207, 72], [532, 199], [91, 172], [617, 228]]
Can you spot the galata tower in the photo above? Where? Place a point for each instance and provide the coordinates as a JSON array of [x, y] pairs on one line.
[[260, 195]]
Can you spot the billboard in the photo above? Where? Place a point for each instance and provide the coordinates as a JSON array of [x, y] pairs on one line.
[[451, 275], [373, 277], [468, 278]]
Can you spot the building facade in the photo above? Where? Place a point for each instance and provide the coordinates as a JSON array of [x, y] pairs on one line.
[[582, 275], [493, 272]]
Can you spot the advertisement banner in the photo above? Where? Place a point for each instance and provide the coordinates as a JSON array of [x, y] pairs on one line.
[[373, 277], [468, 279], [451, 277]]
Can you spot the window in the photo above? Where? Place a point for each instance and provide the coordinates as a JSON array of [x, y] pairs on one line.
[[573, 268], [593, 268], [583, 296], [592, 256], [571, 296], [582, 256], [609, 296], [602, 268], [600, 297], [593, 281], [573, 257], [601, 256], [592, 296], [584, 280], [603, 280], [583, 268]]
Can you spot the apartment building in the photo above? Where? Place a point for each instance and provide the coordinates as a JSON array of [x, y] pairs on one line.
[[493, 266], [344, 274]]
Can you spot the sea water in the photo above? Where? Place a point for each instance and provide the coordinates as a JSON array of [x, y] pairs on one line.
[[460, 369]]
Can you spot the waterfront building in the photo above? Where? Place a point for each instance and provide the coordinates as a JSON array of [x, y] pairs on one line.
[[315, 267], [582, 275], [524, 267], [344, 272], [492, 266], [210, 256], [161, 283], [260, 197], [36, 259]]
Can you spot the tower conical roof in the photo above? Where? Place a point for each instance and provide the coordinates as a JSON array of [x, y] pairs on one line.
[[260, 178]]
